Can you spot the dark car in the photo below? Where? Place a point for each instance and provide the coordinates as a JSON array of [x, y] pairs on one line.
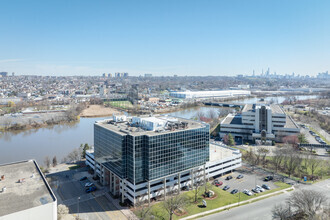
[[240, 176], [268, 178], [226, 187], [234, 191], [83, 178], [265, 186], [229, 177], [90, 189]]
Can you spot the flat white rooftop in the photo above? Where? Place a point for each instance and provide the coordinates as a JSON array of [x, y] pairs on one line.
[[25, 187], [217, 152]]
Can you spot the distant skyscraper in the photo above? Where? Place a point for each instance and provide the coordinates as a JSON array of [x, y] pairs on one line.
[[103, 75], [109, 75]]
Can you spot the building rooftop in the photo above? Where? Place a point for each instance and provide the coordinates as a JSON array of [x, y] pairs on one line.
[[289, 123], [161, 124], [25, 187], [248, 107], [233, 120], [218, 152], [276, 109]]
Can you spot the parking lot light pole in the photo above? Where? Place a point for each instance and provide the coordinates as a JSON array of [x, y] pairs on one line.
[[78, 206], [239, 196]]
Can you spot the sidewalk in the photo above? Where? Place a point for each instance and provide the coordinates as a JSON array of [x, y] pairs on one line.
[[234, 204], [128, 213]]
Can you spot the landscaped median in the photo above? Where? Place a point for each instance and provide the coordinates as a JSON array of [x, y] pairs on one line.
[[223, 200]]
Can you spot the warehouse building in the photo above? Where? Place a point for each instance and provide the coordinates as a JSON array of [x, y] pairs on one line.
[[260, 123], [209, 94], [25, 193]]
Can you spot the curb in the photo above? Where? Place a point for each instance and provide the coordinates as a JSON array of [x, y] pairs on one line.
[[235, 204]]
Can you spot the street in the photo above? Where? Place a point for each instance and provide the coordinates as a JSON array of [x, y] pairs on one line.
[[262, 209]]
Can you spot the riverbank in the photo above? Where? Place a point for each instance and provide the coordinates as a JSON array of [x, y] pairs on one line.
[[94, 111], [18, 122]]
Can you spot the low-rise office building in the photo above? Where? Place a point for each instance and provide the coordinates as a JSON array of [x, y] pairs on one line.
[[261, 123], [142, 158], [25, 193]]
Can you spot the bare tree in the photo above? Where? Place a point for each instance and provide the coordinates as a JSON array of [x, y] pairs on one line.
[[308, 202], [143, 211], [47, 162], [303, 204], [212, 114], [196, 189], [281, 212], [74, 155], [313, 164], [200, 115], [174, 203], [292, 160], [54, 161], [277, 159]]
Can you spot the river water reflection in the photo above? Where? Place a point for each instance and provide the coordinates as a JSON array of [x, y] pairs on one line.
[[59, 140]]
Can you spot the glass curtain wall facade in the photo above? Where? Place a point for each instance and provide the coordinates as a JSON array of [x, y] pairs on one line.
[[148, 157], [110, 150]]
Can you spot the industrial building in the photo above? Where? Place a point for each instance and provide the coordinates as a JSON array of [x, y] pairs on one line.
[[143, 158], [25, 193], [209, 94], [260, 123]]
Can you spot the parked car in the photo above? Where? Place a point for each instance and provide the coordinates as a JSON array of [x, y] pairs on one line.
[[268, 178], [89, 184], [226, 187], [90, 189], [229, 177], [218, 183], [185, 188], [247, 192], [83, 178], [234, 191], [260, 188], [265, 186], [256, 190], [240, 176]]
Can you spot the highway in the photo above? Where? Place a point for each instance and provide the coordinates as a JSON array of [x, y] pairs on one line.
[[261, 210]]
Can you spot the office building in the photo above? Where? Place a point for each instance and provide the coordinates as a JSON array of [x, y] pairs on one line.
[[141, 158], [260, 123], [25, 193]]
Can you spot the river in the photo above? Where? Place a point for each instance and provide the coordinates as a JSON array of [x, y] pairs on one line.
[[59, 140]]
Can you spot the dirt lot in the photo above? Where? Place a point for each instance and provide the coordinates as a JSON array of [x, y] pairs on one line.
[[97, 111]]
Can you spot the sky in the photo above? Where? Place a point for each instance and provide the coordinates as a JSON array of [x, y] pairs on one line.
[[164, 37]]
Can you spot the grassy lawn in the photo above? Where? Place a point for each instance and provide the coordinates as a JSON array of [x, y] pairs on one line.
[[74, 167], [120, 104], [223, 198]]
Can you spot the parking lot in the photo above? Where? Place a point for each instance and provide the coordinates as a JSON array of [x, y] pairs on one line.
[[249, 181], [70, 191]]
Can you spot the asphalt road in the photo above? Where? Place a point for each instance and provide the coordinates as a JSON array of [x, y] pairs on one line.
[[261, 210], [99, 208]]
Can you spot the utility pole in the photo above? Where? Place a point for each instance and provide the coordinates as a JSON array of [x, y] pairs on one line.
[[78, 206]]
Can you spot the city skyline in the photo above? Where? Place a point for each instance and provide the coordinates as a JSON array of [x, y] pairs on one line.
[[164, 38]]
